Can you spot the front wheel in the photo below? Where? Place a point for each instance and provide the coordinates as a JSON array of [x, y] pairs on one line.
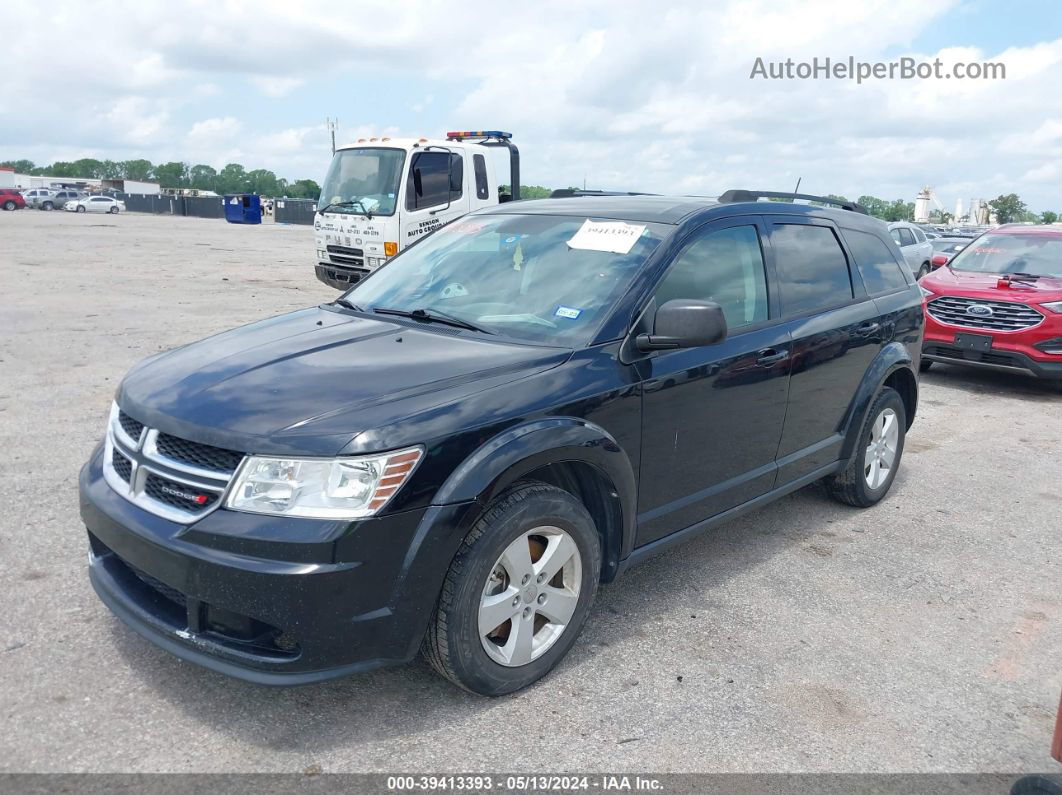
[[9, 205], [47, 206], [872, 468], [113, 211], [517, 592], [80, 208]]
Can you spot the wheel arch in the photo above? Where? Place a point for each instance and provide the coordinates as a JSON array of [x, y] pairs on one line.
[[572, 454], [892, 367]]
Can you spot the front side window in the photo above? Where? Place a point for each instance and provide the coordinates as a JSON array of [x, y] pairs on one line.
[[1035, 254], [880, 271], [363, 180], [434, 178], [512, 275], [724, 266], [812, 268]]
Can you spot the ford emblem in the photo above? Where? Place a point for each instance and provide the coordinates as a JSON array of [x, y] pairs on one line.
[[979, 310]]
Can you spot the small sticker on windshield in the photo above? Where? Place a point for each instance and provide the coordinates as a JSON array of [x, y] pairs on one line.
[[614, 237], [569, 312]]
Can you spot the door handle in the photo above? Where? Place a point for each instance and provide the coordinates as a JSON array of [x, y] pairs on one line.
[[770, 356], [866, 329]]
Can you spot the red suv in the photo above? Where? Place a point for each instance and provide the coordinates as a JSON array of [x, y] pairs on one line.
[[998, 304], [11, 199]]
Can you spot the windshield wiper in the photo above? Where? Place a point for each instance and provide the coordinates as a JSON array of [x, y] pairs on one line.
[[343, 302], [1018, 276], [432, 316], [347, 203]]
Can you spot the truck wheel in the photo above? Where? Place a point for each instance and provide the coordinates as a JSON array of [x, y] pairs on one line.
[[872, 468], [9, 205], [517, 592]]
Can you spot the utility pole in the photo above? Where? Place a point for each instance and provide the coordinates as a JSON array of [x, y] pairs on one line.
[[333, 125]]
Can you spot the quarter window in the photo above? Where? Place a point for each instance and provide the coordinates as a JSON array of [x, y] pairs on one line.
[[880, 271], [479, 164], [812, 268], [724, 266], [434, 178], [906, 238]]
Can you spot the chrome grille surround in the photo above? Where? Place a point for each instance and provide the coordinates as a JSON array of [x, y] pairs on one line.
[[145, 460], [1005, 316]]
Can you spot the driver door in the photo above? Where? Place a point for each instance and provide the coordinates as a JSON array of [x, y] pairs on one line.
[[435, 193]]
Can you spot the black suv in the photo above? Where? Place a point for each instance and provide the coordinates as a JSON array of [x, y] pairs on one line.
[[453, 455]]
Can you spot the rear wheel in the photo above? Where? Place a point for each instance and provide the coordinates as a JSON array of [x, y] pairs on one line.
[[517, 592], [9, 205], [47, 206], [81, 208], [923, 270], [874, 462]]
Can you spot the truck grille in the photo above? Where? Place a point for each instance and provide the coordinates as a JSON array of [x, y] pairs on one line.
[[344, 255], [175, 478], [989, 315]]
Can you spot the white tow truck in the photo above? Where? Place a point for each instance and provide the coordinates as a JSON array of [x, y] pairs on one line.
[[382, 194]]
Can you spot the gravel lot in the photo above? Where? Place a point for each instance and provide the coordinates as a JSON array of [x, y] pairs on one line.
[[922, 635]]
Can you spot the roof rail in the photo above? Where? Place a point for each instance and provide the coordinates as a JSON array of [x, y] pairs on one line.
[[568, 193], [733, 196]]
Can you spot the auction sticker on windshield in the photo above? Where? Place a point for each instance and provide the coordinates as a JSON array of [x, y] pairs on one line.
[[614, 237]]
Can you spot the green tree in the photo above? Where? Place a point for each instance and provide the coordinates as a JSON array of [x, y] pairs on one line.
[[110, 169], [203, 177], [1007, 207], [137, 169], [20, 166], [939, 217], [899, 210], [262, 181], [232, 179], [304, 189], [875, 206], [1048, 217], [172, 175]]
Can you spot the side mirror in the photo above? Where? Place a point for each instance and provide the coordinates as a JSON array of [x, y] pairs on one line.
[[684, 323]]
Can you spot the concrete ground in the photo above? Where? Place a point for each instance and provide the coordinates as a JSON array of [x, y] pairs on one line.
[[921, 635]]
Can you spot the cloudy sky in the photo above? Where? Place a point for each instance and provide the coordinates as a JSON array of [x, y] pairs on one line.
[[638, 96]]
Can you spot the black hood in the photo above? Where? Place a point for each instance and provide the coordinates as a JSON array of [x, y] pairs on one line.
[[310, 381]]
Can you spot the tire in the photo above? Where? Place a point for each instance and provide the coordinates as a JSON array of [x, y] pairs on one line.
[[113, 210], [1037, 785], [47, 206], [454, 645], [923, 270], [80, 208], [863, 485], [924, 365], [9, 205]]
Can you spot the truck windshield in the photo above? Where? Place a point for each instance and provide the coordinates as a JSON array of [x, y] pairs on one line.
[[523, 276], [363, 180], [1034, 254]]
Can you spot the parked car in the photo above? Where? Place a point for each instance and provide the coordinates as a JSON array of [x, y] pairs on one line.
[[916, 249], [95, 204], [34, 196], [998, 304], [11, 199], [59, 199], [944, 248], [458, 450]]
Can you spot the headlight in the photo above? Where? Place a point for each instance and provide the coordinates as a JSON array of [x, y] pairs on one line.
[[926, 293], [1054, 307], [322, 488]]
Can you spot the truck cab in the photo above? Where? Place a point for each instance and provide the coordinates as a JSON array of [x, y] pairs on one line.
[[382, 194]]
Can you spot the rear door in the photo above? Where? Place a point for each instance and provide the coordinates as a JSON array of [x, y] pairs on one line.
[[836, 334], [435, 192], [712, 416]]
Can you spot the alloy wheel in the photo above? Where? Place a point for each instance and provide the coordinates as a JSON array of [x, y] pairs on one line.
[[881, 452], [530, 596]]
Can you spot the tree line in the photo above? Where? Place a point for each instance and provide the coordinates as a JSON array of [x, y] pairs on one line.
[[233, 178], [1008, 208]]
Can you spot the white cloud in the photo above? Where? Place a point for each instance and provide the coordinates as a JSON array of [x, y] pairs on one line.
[[276, 85]]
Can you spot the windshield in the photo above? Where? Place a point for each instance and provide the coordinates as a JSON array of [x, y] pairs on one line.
[[366, 179], [521, 276], [1040, 255]]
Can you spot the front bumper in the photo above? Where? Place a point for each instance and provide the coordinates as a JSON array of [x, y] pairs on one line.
[[339, 276], [270, 600], [1014, 351]]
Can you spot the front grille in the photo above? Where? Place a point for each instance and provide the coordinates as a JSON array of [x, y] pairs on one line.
[[131, 427], [159, 586], [1005, 315], [122, 465], [344, 255], [178, 495], [216, 459]]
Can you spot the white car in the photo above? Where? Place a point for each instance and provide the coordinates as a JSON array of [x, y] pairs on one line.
[[914, 246], [95, 204]]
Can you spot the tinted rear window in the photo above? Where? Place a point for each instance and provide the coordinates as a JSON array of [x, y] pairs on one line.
[[812, 268], [880, 271]]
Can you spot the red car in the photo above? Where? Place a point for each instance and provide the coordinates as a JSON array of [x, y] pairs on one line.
[[998, 304], [11, 199]]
